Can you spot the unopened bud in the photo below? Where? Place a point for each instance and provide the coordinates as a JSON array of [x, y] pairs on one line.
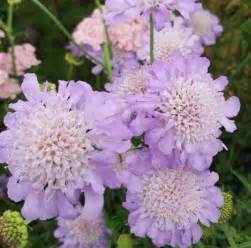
[[227, 209], [70, 59], [14, 2], [48, 86], [13, 230]]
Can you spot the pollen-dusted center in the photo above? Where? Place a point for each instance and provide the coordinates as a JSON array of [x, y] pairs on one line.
[[195, 109], [134, 81], [51, 145], [172, 197], [85, 232], [168, 40]]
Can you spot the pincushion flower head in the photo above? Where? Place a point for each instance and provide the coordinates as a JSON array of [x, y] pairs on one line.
[[82, 232], [120, 10], [90, 31], [9, 87], [127, 36], [25, 58], [168, 204], [50, 143], [206, 25], [125, 39], [175, 36], [191, 109], [129, 87], [132, 80]]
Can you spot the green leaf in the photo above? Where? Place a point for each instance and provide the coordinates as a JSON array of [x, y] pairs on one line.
[[125, 241], [245, 245], [243, 180], [229, 233], [246, 27]]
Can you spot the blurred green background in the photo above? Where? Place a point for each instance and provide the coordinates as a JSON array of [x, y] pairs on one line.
[[231, 56]]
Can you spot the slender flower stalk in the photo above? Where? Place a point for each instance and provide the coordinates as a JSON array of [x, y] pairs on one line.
[[3, 26], [107, 46], [151, 39], [70, 72], [64, 30], [11, 37]]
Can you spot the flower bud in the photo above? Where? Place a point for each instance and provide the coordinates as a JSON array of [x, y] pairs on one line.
[[48, 86], [13, 230], [125, 241], [14, 2], [70, 59], [227, 209]]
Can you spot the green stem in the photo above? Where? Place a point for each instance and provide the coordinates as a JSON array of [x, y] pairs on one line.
[[70, 72], [5, 106], [98, 82], [11, 37], [107, 46], [151, 39], [64, 30], [3, 26]]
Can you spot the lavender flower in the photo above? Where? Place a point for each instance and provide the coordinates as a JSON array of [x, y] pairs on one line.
[[130, 87], [120, 170], [82, 232], [205, 25], [120, 10], [175, 36], [191, 110], [51, 142], [167, 204], [131, 81], [125, 40]]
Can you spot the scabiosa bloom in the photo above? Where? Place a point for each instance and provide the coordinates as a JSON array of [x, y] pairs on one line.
[[205, 25], [133, 80], [3, 76], [120, 10], [125, 39], [82, 232], [191, 109], [4, 61], [90, 31], [128, 36], [168, 204], [173, 37], [25, 58], [130, 87], [50, 143], [9, 87]]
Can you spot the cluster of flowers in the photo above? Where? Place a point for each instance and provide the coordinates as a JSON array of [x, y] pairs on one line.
[[128, 32], [154, 131], [12, 65]]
